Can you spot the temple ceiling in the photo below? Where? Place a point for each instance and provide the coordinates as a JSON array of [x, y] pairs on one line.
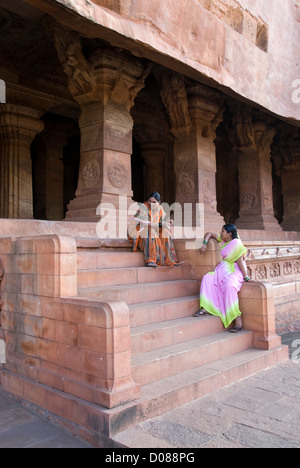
[[28, 58]]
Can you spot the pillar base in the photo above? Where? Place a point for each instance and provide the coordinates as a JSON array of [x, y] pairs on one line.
[[291, 224], [258, 222], [213, 222], [110, 212]]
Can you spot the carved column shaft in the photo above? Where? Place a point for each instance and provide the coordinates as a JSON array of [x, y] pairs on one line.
[[154, 154], [255, 180], [195, 156], [290, 188], [49, 174], [105, 138], [105, 159], [18, 127]]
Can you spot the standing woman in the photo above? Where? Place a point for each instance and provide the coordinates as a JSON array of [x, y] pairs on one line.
[[219, 289]]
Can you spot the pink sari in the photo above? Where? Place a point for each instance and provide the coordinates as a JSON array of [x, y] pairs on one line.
[[219, 289]]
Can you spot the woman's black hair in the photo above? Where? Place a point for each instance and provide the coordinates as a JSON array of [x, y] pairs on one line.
[[155, 195], [231, 228]]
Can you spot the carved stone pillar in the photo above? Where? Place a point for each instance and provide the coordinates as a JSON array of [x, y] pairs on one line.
[[18, 127], [106, 135], [105, 166], [154, 154], [195, 156], [291, 197], [206, 113], [287, 162], [49, 174], [255, 175], [105, 85]]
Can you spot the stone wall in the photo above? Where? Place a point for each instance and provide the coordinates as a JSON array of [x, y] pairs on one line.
[[67, 355], [279, 264]]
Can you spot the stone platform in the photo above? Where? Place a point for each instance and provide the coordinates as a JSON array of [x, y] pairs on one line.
[[260, 411], [104, 343]]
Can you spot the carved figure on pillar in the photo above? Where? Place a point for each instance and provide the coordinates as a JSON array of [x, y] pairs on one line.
[[253, 139], [81, 76], [174, 97], [242, 120]]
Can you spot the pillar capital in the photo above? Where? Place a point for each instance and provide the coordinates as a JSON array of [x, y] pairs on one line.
[[37, 100], [206, 110], [25, 119], [263, 136], [205, 100], [104, 75], [119, 77], [249, 132]]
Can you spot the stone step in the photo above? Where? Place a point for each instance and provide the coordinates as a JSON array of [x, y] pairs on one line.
[[145, 292], [123, 276], [162, 334], [106, 258], [161, 311], [94, 242], [154, 365], [172, 391]]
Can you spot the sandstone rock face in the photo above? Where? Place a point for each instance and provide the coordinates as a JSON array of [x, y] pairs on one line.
[[247, 46]]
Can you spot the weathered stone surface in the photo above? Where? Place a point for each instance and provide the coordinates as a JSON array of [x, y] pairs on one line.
[[139, 96], [229, 42]]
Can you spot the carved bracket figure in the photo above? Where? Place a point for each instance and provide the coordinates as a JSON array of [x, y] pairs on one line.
[[174, 97], [81, 76]]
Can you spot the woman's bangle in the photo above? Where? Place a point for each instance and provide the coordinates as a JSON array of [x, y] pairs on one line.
[[205, 242], [246, 278]]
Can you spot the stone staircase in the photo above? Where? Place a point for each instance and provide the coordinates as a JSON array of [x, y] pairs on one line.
[[175, 357]]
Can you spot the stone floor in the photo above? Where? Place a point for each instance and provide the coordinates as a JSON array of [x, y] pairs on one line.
[[260, 411], [21, 427], [292, 339]]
